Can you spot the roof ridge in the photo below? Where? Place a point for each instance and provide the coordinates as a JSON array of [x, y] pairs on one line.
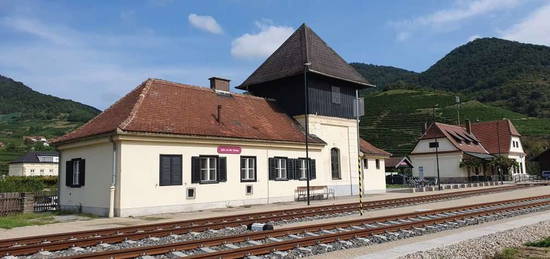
[[204, 88], [137, 104]]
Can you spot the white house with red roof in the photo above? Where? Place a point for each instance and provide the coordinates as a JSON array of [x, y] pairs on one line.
[[169, 147], [449, 145]]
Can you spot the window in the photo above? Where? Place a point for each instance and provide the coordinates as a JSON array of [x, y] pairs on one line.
[[335, 163], [51, 170], [302, 168], [248, 189], [248, 169], [377, 163], [336, 96], [208, 169], [521, 168], [41, 170], [32, 170], [75, 172], [190, 194], [170, 171], [366, 163], [280, 168]]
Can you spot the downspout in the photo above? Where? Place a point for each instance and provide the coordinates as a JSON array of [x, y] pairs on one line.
[[112, 188]]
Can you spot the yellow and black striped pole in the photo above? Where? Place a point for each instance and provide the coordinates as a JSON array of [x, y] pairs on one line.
[[360, 187]]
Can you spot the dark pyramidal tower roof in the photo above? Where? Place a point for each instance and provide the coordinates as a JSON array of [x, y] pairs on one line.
[[301, 47]]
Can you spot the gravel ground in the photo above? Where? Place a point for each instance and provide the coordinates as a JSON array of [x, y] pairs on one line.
[[487, 246]]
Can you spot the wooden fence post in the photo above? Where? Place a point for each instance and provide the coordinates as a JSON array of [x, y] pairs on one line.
[[28, 202]]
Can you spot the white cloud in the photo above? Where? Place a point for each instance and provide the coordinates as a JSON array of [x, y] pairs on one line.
[[448, 19], [261, 44], [205, 23], [535, 28]]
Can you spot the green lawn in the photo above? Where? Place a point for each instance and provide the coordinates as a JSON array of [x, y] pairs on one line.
[[27, 219]]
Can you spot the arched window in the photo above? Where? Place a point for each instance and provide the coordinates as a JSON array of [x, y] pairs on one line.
[[335, 163]]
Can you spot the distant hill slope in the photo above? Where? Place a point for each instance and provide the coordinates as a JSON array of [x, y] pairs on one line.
[[382, 76], [25, 112], [503, 73], [394, 118]]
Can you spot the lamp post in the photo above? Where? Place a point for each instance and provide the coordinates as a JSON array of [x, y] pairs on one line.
[[306, 108], [436, 144]]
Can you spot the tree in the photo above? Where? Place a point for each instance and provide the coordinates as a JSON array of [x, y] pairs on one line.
[[503, 164]]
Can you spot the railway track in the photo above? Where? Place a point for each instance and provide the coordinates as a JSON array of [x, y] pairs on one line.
[[30, 245], [329, 235]]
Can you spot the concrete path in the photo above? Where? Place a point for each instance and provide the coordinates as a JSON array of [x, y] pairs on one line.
[[454, 238]]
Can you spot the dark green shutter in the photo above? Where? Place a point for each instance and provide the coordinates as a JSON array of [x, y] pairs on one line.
[[312, 170], [222, 169], [272, 172], [243, 160], [164, 171], [290, 169], [195, 170], [175, 171], [69, 173], [255, 171], [82, 175]]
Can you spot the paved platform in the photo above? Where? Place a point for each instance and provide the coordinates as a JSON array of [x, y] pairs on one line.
[[100, 223]]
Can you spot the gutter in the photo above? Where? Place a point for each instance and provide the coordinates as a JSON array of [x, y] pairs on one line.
[[112, 188]]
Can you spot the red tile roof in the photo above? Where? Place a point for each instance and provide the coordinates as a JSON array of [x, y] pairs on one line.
[[490, 133], [369, 149], [158, 106], [396, 161], [457, 135]]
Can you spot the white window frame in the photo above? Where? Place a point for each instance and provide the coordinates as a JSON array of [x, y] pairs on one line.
[[303, 169], [248, 169], [76, 172], [210, 172], [281, 169]]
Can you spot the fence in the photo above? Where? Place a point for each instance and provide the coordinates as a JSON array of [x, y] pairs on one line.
[[15, 202]]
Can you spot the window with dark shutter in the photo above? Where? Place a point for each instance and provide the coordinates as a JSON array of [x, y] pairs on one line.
[[336, 96], [248, 168], [75, 172], [377, 163], [170, 171], [82, 175]]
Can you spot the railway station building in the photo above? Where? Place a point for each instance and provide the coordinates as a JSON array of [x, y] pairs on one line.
[[172, 147], [464, 152]]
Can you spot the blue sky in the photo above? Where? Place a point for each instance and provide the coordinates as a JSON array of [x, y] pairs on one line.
[[96, 51]]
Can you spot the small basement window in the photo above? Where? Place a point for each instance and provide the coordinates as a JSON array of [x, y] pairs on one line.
[[248, 189], [190, 193]]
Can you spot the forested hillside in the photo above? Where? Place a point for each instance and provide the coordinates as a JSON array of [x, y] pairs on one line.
[[25, 112], [503, 73]]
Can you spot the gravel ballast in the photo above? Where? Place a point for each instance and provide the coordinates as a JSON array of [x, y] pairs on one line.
[[488, 245]]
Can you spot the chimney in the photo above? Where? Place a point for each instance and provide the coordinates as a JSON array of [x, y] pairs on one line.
[[219, 84], [468, 126]]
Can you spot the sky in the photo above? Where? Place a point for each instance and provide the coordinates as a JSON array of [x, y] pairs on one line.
[[95, 52]]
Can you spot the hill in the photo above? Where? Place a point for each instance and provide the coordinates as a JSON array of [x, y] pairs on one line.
[[385, 76], [394, 118], [25, 112], [503, 73]]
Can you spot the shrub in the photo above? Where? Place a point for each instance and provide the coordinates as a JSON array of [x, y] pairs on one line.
[[27, 184]]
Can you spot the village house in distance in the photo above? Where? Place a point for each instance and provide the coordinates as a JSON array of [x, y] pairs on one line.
[[480, 141], [35, 163], [167, 147]]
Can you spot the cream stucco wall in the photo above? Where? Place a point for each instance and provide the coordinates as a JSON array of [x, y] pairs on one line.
[[423, 146], [375, 179], [33, 169], [94, 196], [448, 165], [141, 193], [342, 134]]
